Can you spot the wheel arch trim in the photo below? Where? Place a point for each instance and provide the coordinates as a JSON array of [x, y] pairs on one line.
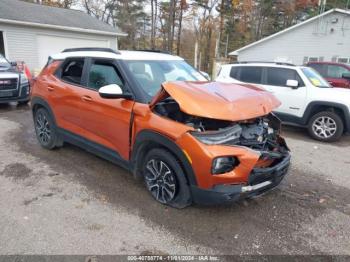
[[345, 110], [147, 137], [35, 101]]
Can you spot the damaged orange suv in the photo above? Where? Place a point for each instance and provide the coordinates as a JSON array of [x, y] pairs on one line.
[[189, 139]]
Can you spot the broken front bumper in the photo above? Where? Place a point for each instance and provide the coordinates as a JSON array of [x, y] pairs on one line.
[[260, 181]]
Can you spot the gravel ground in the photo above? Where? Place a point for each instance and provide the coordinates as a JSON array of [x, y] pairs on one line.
[[68, 201]]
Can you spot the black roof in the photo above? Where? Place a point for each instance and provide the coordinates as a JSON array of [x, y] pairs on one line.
[[36, 13]]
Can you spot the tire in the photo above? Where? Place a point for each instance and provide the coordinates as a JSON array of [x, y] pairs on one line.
[[165, 179], [45, 129], [326, 126]]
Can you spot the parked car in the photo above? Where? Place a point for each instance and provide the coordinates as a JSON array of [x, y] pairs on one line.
[[337, 74], [195, 141], [308, 100], [14, 85]]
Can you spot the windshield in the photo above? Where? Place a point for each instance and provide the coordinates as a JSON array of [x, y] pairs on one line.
[[315, 78], [4, 62], [151, 74]]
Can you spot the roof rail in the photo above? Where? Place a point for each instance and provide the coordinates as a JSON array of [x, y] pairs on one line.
[[98, 49], [265, 62], [154, 51]]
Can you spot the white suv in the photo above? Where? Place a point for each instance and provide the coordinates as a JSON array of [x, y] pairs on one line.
[[307, 99]]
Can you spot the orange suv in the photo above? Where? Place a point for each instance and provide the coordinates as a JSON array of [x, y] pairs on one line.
[[153, 114]]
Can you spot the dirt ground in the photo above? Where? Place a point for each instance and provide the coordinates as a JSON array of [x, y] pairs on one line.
[[69, 201]]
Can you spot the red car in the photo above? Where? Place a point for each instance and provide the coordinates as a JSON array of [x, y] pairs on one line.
[[337, 74]]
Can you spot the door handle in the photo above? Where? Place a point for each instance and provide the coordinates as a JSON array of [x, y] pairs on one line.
[[86, 98], [50, 88]]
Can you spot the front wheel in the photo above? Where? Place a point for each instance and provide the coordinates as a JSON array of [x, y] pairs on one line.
[[326, 126], [165, 179]]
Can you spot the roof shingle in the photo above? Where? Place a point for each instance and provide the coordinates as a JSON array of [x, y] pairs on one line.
[[35, 13]]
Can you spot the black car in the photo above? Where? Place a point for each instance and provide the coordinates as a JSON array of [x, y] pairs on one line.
[[14, 85]]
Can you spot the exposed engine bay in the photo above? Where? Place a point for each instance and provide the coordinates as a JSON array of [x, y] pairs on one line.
[[260, 134]]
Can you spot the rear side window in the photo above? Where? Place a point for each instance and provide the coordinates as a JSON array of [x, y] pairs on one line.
[[102, 74], [279, 76], [72, 71], [251, 74]]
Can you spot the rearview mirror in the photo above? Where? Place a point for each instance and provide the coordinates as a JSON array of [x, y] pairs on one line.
[[113, 91], [13, 63], [292, 83], [346, 76]]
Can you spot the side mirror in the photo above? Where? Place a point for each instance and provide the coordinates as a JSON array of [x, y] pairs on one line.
[[346, 76], [292, 83], [113, 91], [13, 63]]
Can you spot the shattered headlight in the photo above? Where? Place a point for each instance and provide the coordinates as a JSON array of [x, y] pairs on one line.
[[229, 135], [222, 165]]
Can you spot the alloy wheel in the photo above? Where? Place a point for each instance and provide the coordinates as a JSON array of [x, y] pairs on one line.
[[43, 128], [324, 127], [160, 181]]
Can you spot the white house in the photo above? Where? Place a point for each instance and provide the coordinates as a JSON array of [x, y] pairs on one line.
[[322, 38], [31, 32]]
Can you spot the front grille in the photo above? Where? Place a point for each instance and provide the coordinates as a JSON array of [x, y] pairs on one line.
[[8, 84]]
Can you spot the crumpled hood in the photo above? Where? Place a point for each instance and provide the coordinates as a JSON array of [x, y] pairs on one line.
[[232, 102]]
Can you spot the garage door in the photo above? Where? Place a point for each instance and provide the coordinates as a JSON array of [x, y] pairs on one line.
[[48, 45]]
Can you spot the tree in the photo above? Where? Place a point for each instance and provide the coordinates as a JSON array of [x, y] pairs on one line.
[[56, 3], [131, 19]]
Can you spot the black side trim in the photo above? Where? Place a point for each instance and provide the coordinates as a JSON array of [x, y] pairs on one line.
[[147, 138], [311, 109], [94, 148]]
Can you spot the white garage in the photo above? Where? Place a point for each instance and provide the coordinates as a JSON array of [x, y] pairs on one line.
[[45, 30], [51, 44]]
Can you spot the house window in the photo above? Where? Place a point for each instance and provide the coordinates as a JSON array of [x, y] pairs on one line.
[[343, 60], [313, 59]]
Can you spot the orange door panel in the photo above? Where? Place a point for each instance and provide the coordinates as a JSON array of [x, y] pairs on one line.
[[65, 99], [106, 121]]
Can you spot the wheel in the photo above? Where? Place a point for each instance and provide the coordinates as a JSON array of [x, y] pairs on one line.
[[326, 126], [165, 179], [45, 129]]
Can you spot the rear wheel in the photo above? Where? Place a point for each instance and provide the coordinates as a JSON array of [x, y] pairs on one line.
[[165, 179], [326, 126], [45, 129]]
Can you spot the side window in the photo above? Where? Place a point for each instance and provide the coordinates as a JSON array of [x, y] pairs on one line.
[[234, 72], [279, 76], [103, 73], [72, 71], [251, 74], [334, 71]]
